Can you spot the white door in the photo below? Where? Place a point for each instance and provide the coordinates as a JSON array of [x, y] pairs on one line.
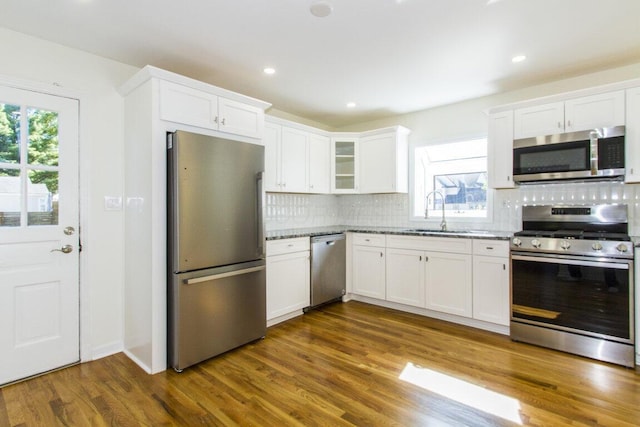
[[39, 261]]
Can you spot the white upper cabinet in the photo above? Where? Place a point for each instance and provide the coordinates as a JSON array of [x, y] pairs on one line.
[[194, 107], [601, 110], [240, 119], [596, 111], [272, 136], [296, 160], [294, 155], [632, 137], [344, 164], [383, 161], [319, 164], [500, 150], [544, 119]]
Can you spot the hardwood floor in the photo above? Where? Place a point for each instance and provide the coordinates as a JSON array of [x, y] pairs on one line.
[[338, 366]]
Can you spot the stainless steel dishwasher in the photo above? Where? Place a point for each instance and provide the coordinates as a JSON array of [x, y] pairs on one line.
[[328, 270]]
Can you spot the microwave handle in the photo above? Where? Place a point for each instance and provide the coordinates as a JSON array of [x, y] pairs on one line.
[[594, 135]]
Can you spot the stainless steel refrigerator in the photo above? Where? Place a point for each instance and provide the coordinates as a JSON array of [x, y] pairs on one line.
[[216, 278]]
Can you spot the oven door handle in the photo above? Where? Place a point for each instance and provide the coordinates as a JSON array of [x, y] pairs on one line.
[[572, 261]]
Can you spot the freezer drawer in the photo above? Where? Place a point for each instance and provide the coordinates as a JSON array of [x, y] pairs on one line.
[[328, 268], [215, 310]]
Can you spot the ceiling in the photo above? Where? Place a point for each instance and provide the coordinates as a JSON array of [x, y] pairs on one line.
[[388, 56]]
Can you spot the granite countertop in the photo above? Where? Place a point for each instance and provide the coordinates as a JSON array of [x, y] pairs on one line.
[[319, 231]]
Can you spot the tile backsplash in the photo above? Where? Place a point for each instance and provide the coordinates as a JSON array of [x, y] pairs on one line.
[[285, 211]]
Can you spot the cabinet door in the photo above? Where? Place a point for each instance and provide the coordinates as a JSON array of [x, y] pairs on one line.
[[500, 150], [491, 289], [603, 110], [319, 164], [293, 149], [344, 153], [448, 283], [369, 271], [547, 119], [240, 119], [377, 165], [288, 283], [405, 277], [632, 138], [271, 139], [189, 106]]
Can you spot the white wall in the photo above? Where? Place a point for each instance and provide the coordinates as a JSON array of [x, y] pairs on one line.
[[95, 79]]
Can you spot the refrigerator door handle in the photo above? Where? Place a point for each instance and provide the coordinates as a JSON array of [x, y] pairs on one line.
[[223, 275], [260, 196]]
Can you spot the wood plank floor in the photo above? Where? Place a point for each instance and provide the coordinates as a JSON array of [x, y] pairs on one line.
[[338, 366]]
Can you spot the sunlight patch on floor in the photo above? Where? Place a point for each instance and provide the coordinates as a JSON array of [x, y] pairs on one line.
[[463, 392]]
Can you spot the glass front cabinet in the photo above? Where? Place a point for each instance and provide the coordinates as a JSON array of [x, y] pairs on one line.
[[344, 169]]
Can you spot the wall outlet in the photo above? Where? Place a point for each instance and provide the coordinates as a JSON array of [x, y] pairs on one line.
[[112, 203]]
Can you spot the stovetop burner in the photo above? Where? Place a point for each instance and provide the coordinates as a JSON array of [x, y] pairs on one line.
[[574, 234]]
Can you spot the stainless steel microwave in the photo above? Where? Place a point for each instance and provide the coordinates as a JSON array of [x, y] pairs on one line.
[[585, 155]]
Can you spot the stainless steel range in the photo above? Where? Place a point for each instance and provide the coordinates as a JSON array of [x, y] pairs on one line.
[[572, 281]]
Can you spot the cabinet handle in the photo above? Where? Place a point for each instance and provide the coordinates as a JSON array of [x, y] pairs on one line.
[[215, 120], [489, 248], [420, 257], [380, 254], [367, 240], [559, 125], [223, 122], [426, 259], [568, 123], [504, 266]]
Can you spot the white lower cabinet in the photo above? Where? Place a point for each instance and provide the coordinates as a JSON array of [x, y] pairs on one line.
[[465, 280], [491, 281], [420, 275], [288, 278], [405, 277], [368, 258], [449, 283]]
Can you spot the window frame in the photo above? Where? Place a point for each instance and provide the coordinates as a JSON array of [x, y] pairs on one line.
[[452, 221]]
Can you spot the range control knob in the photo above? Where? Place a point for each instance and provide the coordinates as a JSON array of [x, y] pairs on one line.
[[565, 244], [536, 243], [597, 246], [516, 242], [622, 248]]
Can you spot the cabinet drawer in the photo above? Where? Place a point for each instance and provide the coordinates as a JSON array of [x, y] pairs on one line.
[[499, 248], [437, 244], [366, 239], [285, 246]]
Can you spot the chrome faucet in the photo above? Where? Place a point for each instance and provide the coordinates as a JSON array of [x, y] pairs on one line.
[[443, 224]]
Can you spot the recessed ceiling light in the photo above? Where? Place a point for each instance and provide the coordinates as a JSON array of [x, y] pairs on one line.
[[518, 58], [321, 8], [269, 70], [351, 105]]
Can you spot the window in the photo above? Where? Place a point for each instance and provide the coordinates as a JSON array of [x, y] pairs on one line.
[[456, 170]]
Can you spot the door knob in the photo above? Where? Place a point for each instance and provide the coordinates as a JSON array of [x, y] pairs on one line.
[[65, 249]]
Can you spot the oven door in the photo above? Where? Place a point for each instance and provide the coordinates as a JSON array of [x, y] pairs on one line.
[[591, 297]]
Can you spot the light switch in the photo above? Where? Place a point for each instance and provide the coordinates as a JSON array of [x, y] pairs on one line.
[[112, 203]]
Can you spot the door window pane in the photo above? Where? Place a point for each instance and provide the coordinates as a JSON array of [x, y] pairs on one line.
[[43, 137], [10, 197], [9, 133], [42, 205]]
